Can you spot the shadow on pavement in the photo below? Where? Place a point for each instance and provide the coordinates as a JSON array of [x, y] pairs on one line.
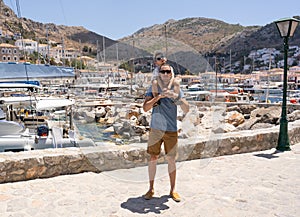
[[268, 156], [140, 205]]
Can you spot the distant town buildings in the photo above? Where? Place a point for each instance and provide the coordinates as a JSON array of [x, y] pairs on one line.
[[266, 58], [23, 48]]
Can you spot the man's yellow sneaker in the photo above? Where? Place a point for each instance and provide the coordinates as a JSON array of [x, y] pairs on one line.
[[175, 196], [149, 195]]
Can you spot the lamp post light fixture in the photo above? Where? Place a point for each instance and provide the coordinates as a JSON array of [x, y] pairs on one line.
[[286, 28]]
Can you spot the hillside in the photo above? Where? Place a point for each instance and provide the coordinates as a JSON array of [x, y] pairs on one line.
[[215, 36], [202, 34], [188, 41]]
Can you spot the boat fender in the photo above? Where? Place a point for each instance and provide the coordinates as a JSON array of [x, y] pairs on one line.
[[36, 140]]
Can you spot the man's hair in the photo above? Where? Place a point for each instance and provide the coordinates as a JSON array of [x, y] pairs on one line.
[[172, 70]]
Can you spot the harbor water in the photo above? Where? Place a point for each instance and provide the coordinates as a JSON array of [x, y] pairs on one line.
[[95, 132]]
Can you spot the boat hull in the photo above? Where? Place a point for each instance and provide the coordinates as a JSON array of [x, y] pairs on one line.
[[16, 143], [10, 128]]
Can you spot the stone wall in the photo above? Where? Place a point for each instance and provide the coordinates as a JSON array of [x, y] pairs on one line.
[[54, 162]]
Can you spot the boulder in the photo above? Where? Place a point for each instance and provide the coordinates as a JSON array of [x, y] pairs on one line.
[[247, 125], [261, 126], [89, 116], [235, 118], [247, 109], [100, 112]]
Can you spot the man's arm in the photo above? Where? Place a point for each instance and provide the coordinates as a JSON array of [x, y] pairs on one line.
[[149, 102], [184, 105]]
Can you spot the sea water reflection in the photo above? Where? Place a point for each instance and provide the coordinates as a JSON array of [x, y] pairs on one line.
[[95, 132]]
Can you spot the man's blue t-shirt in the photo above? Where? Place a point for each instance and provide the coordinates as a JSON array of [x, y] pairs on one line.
[[164, 115]]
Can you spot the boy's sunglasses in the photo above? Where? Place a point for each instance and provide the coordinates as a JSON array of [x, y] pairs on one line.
[[165, 71]]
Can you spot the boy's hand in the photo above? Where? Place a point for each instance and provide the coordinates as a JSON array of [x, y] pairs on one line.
[[169, 93]]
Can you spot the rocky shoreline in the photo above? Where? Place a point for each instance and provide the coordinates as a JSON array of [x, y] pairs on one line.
[[129, 123]]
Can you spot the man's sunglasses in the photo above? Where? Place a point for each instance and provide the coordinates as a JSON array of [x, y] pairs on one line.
[[158, 58], [165, 71]]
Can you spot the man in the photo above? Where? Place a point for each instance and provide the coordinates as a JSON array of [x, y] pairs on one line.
[[163, 129]]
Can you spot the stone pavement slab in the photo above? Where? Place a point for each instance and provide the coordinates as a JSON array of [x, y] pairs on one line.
[[264, 184]]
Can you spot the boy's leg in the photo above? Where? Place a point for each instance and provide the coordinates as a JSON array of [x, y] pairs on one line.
[[160, 83], [176, 84], [155, 91], [171, 81], [155, 87]]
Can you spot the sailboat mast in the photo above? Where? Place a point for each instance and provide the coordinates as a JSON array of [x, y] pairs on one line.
[[166, 40], [63, 51], [38, 50], [48, 45], [268, 74], [117, 50], [80, 54], [97, 55], [103, 45], [230, 60]]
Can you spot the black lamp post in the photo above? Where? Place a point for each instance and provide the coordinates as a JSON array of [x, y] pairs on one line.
[[286, 28]]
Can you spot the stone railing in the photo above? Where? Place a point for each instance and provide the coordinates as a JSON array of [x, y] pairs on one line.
[[54, 162]]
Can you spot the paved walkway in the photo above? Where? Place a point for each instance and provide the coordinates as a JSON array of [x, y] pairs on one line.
[[246, 185]]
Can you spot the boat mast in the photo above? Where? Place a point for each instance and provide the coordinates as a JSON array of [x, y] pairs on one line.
[[63, 51], [80, 48], [230, 60], [117, 48], [133, 68], [166, 40], [268, 73], [48, 45], [103, 45], [97, 56], [38, 50]]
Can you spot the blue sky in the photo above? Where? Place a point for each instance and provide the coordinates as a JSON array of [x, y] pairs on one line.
[[119, 18]]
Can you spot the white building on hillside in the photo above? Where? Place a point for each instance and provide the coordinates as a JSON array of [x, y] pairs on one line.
[[43, 49], [59, 53], [27, 44]]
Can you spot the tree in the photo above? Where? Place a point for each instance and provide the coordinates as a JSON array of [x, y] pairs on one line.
[[52, 62], [77, 64], [125, 66], [67, 62]]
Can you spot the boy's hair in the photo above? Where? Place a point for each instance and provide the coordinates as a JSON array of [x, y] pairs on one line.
[[159, 54]]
